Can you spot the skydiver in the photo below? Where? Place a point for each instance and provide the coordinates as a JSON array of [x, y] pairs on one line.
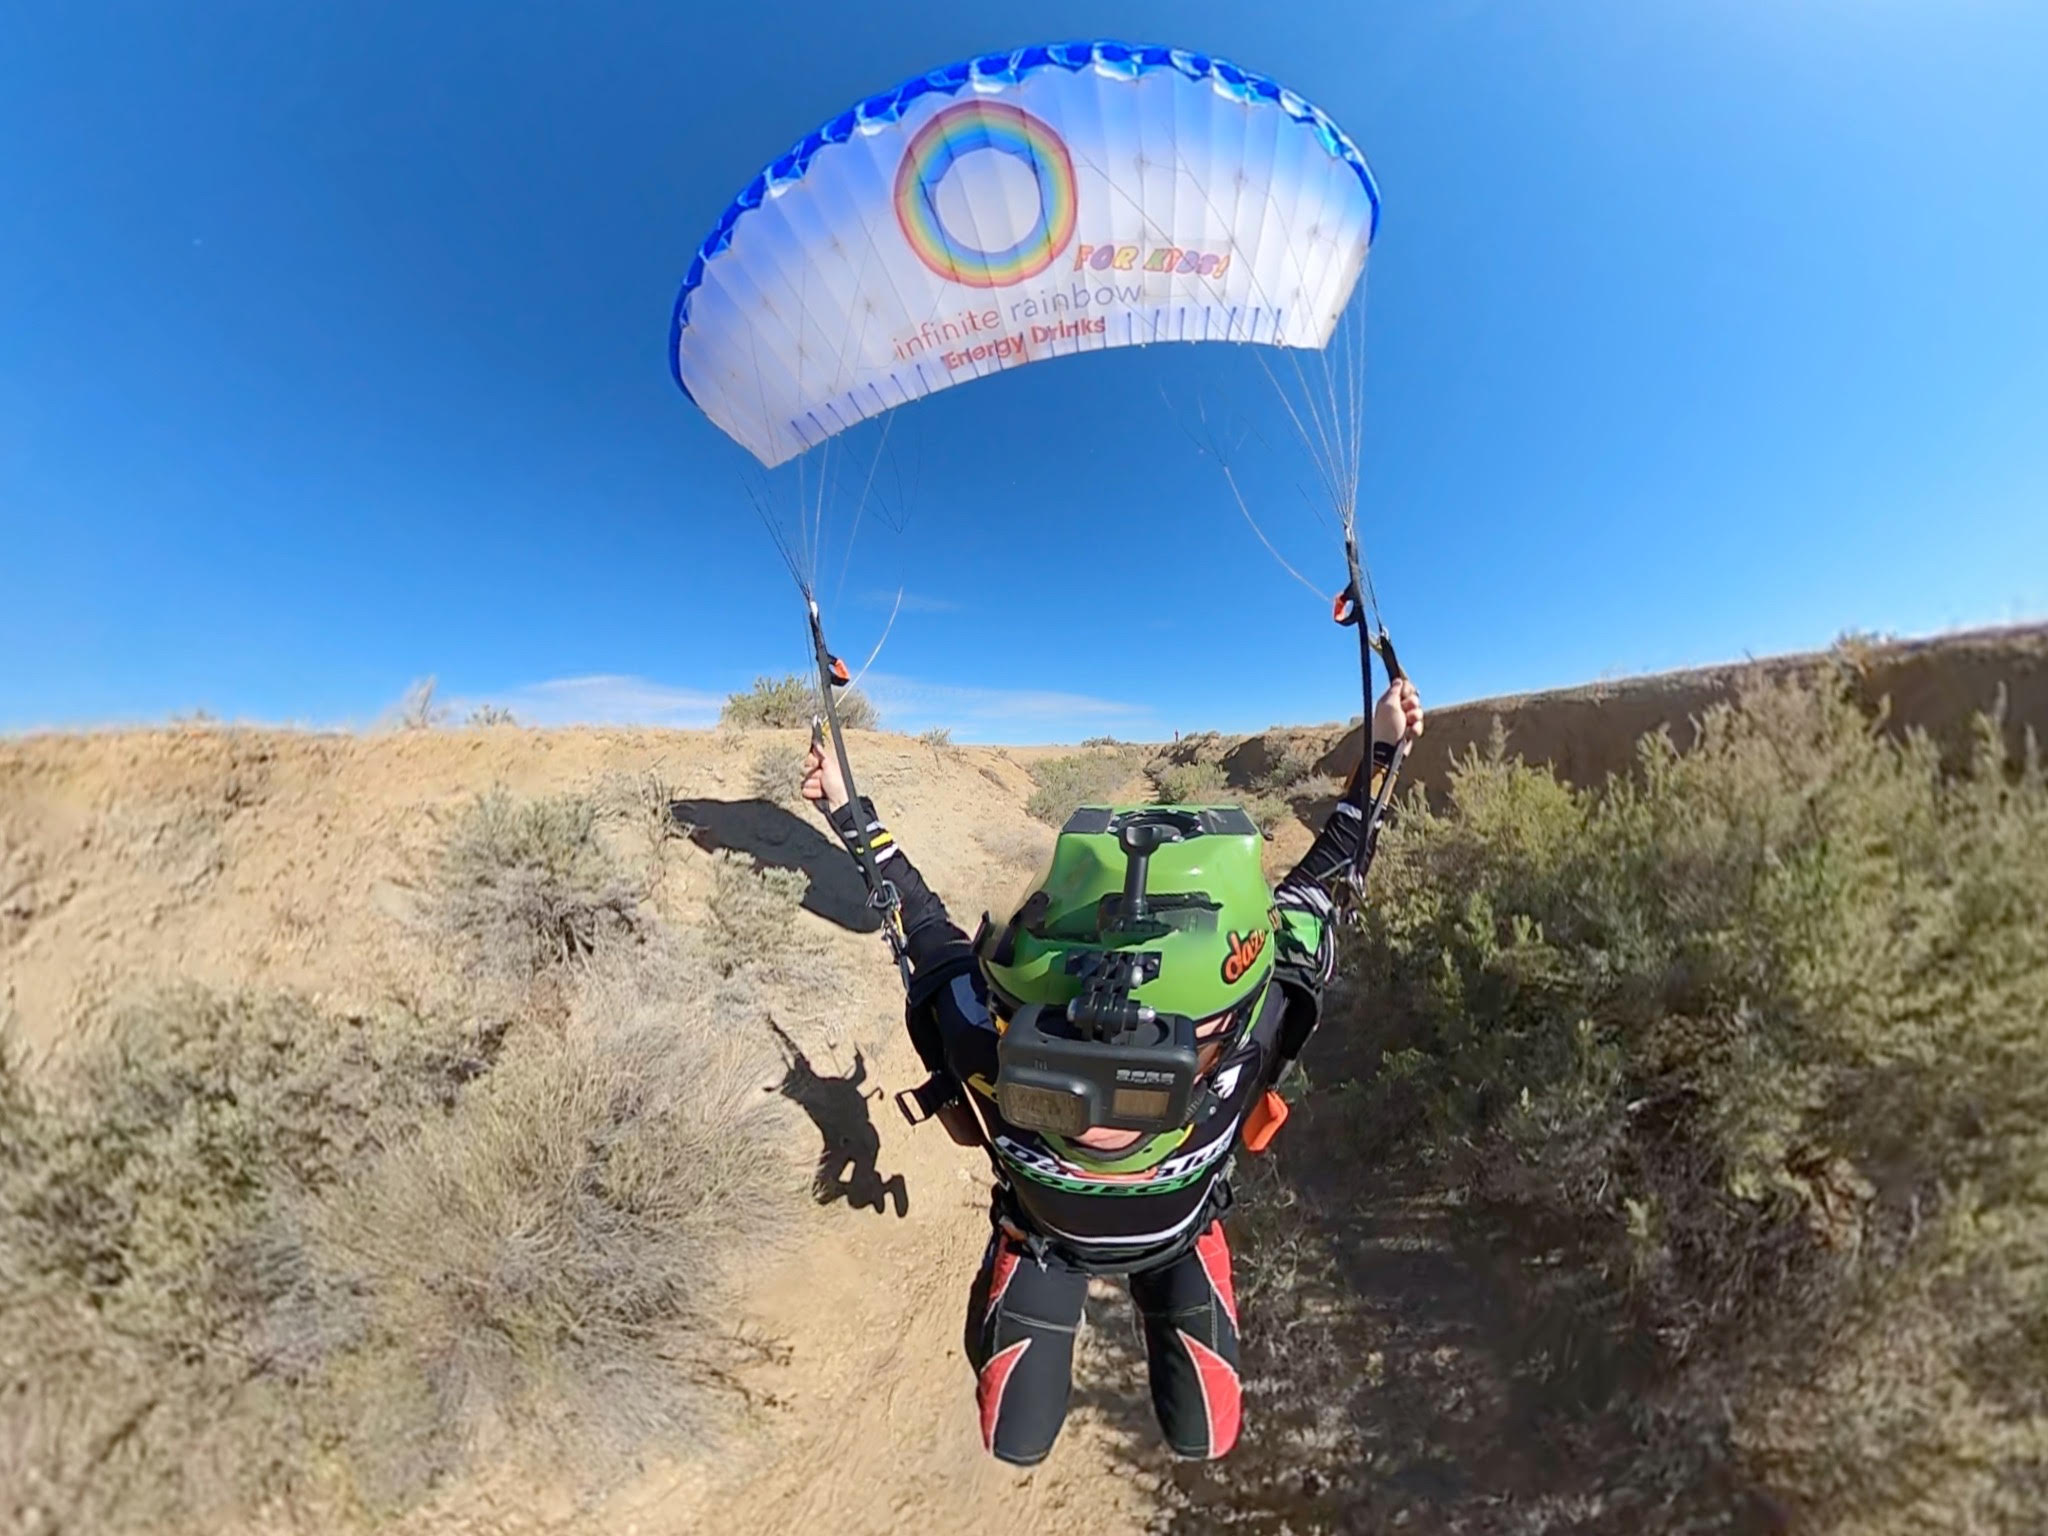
[[1119, 1202]]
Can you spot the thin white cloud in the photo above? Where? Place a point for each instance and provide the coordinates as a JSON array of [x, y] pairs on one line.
[[1001, 714], [909, 705], [605, 699]]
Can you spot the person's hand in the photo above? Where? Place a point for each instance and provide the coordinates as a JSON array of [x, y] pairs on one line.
[[1398, 715], [821, 781]]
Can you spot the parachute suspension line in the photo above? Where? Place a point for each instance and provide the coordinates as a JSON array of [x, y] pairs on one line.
[[882, 895], [1213, 447], [1360, 606], [1230, 479], [791, 561], [1335, 444], [860, 507], [1323, 451], [802, 555], [1314, 441], [1325, 440], [877, 651]]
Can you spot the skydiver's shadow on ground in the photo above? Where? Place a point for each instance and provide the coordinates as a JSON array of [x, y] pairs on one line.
[[773, 835], [838, 1107]]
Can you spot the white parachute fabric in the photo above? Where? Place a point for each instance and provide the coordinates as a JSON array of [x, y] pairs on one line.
[[1018, 207]]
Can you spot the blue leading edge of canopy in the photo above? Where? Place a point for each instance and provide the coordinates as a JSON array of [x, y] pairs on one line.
[[1127, 59]]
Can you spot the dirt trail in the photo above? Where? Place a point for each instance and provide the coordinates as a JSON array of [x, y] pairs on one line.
[[865, 1419]]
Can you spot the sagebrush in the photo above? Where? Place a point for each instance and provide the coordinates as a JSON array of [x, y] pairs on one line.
[[778, 773], [1065, 784], [1190, 783], [529, 883], [258, 1256], [1756, 1042], [791, 702]]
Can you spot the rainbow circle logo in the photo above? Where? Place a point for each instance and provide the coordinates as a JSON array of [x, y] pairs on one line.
[[966, 129]]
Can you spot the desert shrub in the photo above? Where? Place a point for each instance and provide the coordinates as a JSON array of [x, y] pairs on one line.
[[16, 1103], [790, 702], [1294, 767], [528, 883], [1757, 1040], [157, 1307], [1065, 784], [778, 770], [857, 712], [491, 714], [1015, 845], [642, 808], [417, 709], [1190, 783], [544, 1263], [1266, 808], [1204, 782], [258, 1257], [754, 914], [939, 738]]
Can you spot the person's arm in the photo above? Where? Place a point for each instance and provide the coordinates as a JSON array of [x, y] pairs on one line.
[[1306, 898], [938, 951], [1397, 717], [929, 933]]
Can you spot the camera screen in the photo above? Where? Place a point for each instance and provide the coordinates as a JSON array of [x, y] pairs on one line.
[[1141, 1103], [1043, 1109]]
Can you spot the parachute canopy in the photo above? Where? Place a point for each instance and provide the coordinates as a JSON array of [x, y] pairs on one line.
[[1019, 206]]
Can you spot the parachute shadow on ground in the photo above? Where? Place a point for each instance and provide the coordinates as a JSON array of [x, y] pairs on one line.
[[775, 837]]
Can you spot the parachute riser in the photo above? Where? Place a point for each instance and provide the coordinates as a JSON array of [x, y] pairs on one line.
[[882, 895], [1350, 610]]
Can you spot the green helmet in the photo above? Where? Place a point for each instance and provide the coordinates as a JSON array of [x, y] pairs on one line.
[[1207, 917]]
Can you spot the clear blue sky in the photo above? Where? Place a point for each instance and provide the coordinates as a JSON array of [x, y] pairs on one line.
[[331, 356]]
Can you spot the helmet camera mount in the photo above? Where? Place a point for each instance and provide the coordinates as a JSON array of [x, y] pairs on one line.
[[1106, 1060]]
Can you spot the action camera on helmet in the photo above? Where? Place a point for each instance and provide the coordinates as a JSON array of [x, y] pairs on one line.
[[1104, 1060], [1101, 1061]]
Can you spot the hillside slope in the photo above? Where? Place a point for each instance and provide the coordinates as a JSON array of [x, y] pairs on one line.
[[289, 860]]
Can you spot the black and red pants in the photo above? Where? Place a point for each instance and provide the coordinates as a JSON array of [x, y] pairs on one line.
[[1024, 1313]]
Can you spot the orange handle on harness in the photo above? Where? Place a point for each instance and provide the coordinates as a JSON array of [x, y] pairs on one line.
[[1264, 1122]]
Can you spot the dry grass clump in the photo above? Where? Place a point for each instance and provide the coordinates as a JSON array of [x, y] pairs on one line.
[[1065, 784], [790, 702], [546, 1262], [1189, 783], [1753, 1048], [257, 1256], [158, 1311], [777, 773], [531, 883]]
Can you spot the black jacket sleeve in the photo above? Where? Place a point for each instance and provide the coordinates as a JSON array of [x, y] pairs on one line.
[[936, 946], [1306, 901]]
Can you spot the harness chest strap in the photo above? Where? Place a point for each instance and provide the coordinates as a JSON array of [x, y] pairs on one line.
[[1005, 1215]]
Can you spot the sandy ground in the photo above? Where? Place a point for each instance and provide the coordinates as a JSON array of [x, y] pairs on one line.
[[232, 858]]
